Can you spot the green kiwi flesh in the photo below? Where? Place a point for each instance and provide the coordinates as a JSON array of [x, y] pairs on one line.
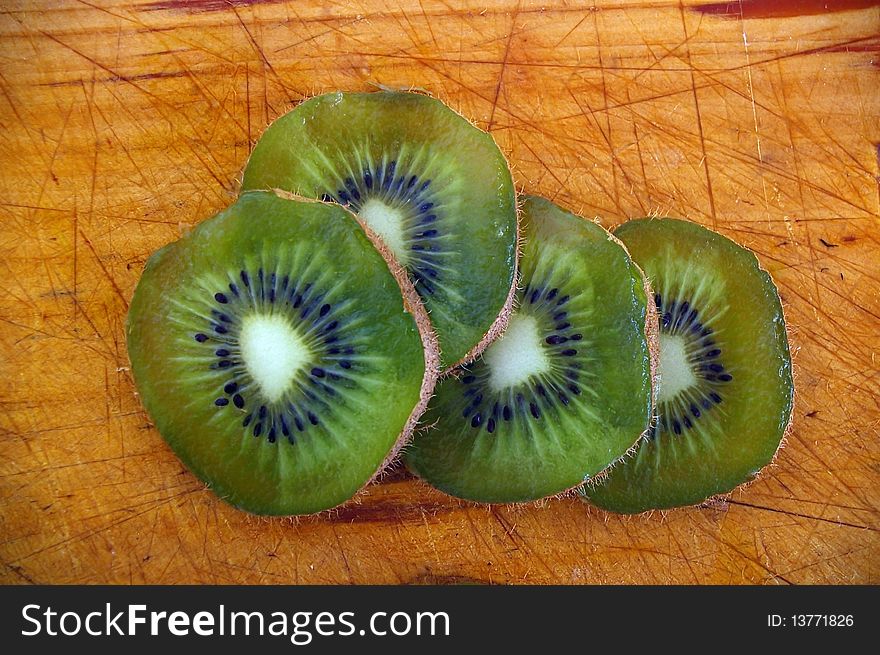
[[273, 350], [565, 391], [433, 187], [726, 389]]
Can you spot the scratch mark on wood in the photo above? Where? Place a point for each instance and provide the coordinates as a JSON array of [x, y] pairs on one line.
[[504, 60], [803, 516], [705, 158], [104, 269], [262, 54]]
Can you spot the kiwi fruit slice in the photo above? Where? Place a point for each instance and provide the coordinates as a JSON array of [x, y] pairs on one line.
[[277, 355], [725, 378], [565, 391], [434, 188]]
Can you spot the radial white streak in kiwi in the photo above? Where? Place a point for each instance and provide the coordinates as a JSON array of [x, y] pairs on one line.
[[676, 373], [694, 281], [518, 355], [272, 351], [387, 222]]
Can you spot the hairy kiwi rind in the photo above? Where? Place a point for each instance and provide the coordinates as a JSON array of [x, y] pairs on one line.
[[411, 304], [761, 468], [652, 328], [500, 317], [414, 305], [499, 325], [501, 321]]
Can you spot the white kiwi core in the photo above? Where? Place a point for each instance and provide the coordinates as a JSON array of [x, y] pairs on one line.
[[273, 353], [676, 372], [517, 355], [387, 222]]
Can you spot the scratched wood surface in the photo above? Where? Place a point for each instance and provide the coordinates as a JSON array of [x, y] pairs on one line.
[[124, 122]]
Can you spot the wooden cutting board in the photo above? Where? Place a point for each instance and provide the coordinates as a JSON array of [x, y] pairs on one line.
[[123, 123]]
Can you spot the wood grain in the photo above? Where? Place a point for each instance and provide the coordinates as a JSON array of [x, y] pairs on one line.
[[126, 122]]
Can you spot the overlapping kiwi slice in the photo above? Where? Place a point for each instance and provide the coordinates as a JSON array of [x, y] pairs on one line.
[[275, 352], [726, 389], [433, 187], [566, 390]]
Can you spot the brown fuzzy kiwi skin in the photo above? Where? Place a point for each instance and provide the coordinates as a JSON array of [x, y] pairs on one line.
[[652, 333], [652, 336], [413, 304], [499, 325], [720, 499], [652, 326]]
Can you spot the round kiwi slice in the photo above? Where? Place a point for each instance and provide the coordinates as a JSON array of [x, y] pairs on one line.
[[565, 391], [726, 389], [275, 353], [433, 187]]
